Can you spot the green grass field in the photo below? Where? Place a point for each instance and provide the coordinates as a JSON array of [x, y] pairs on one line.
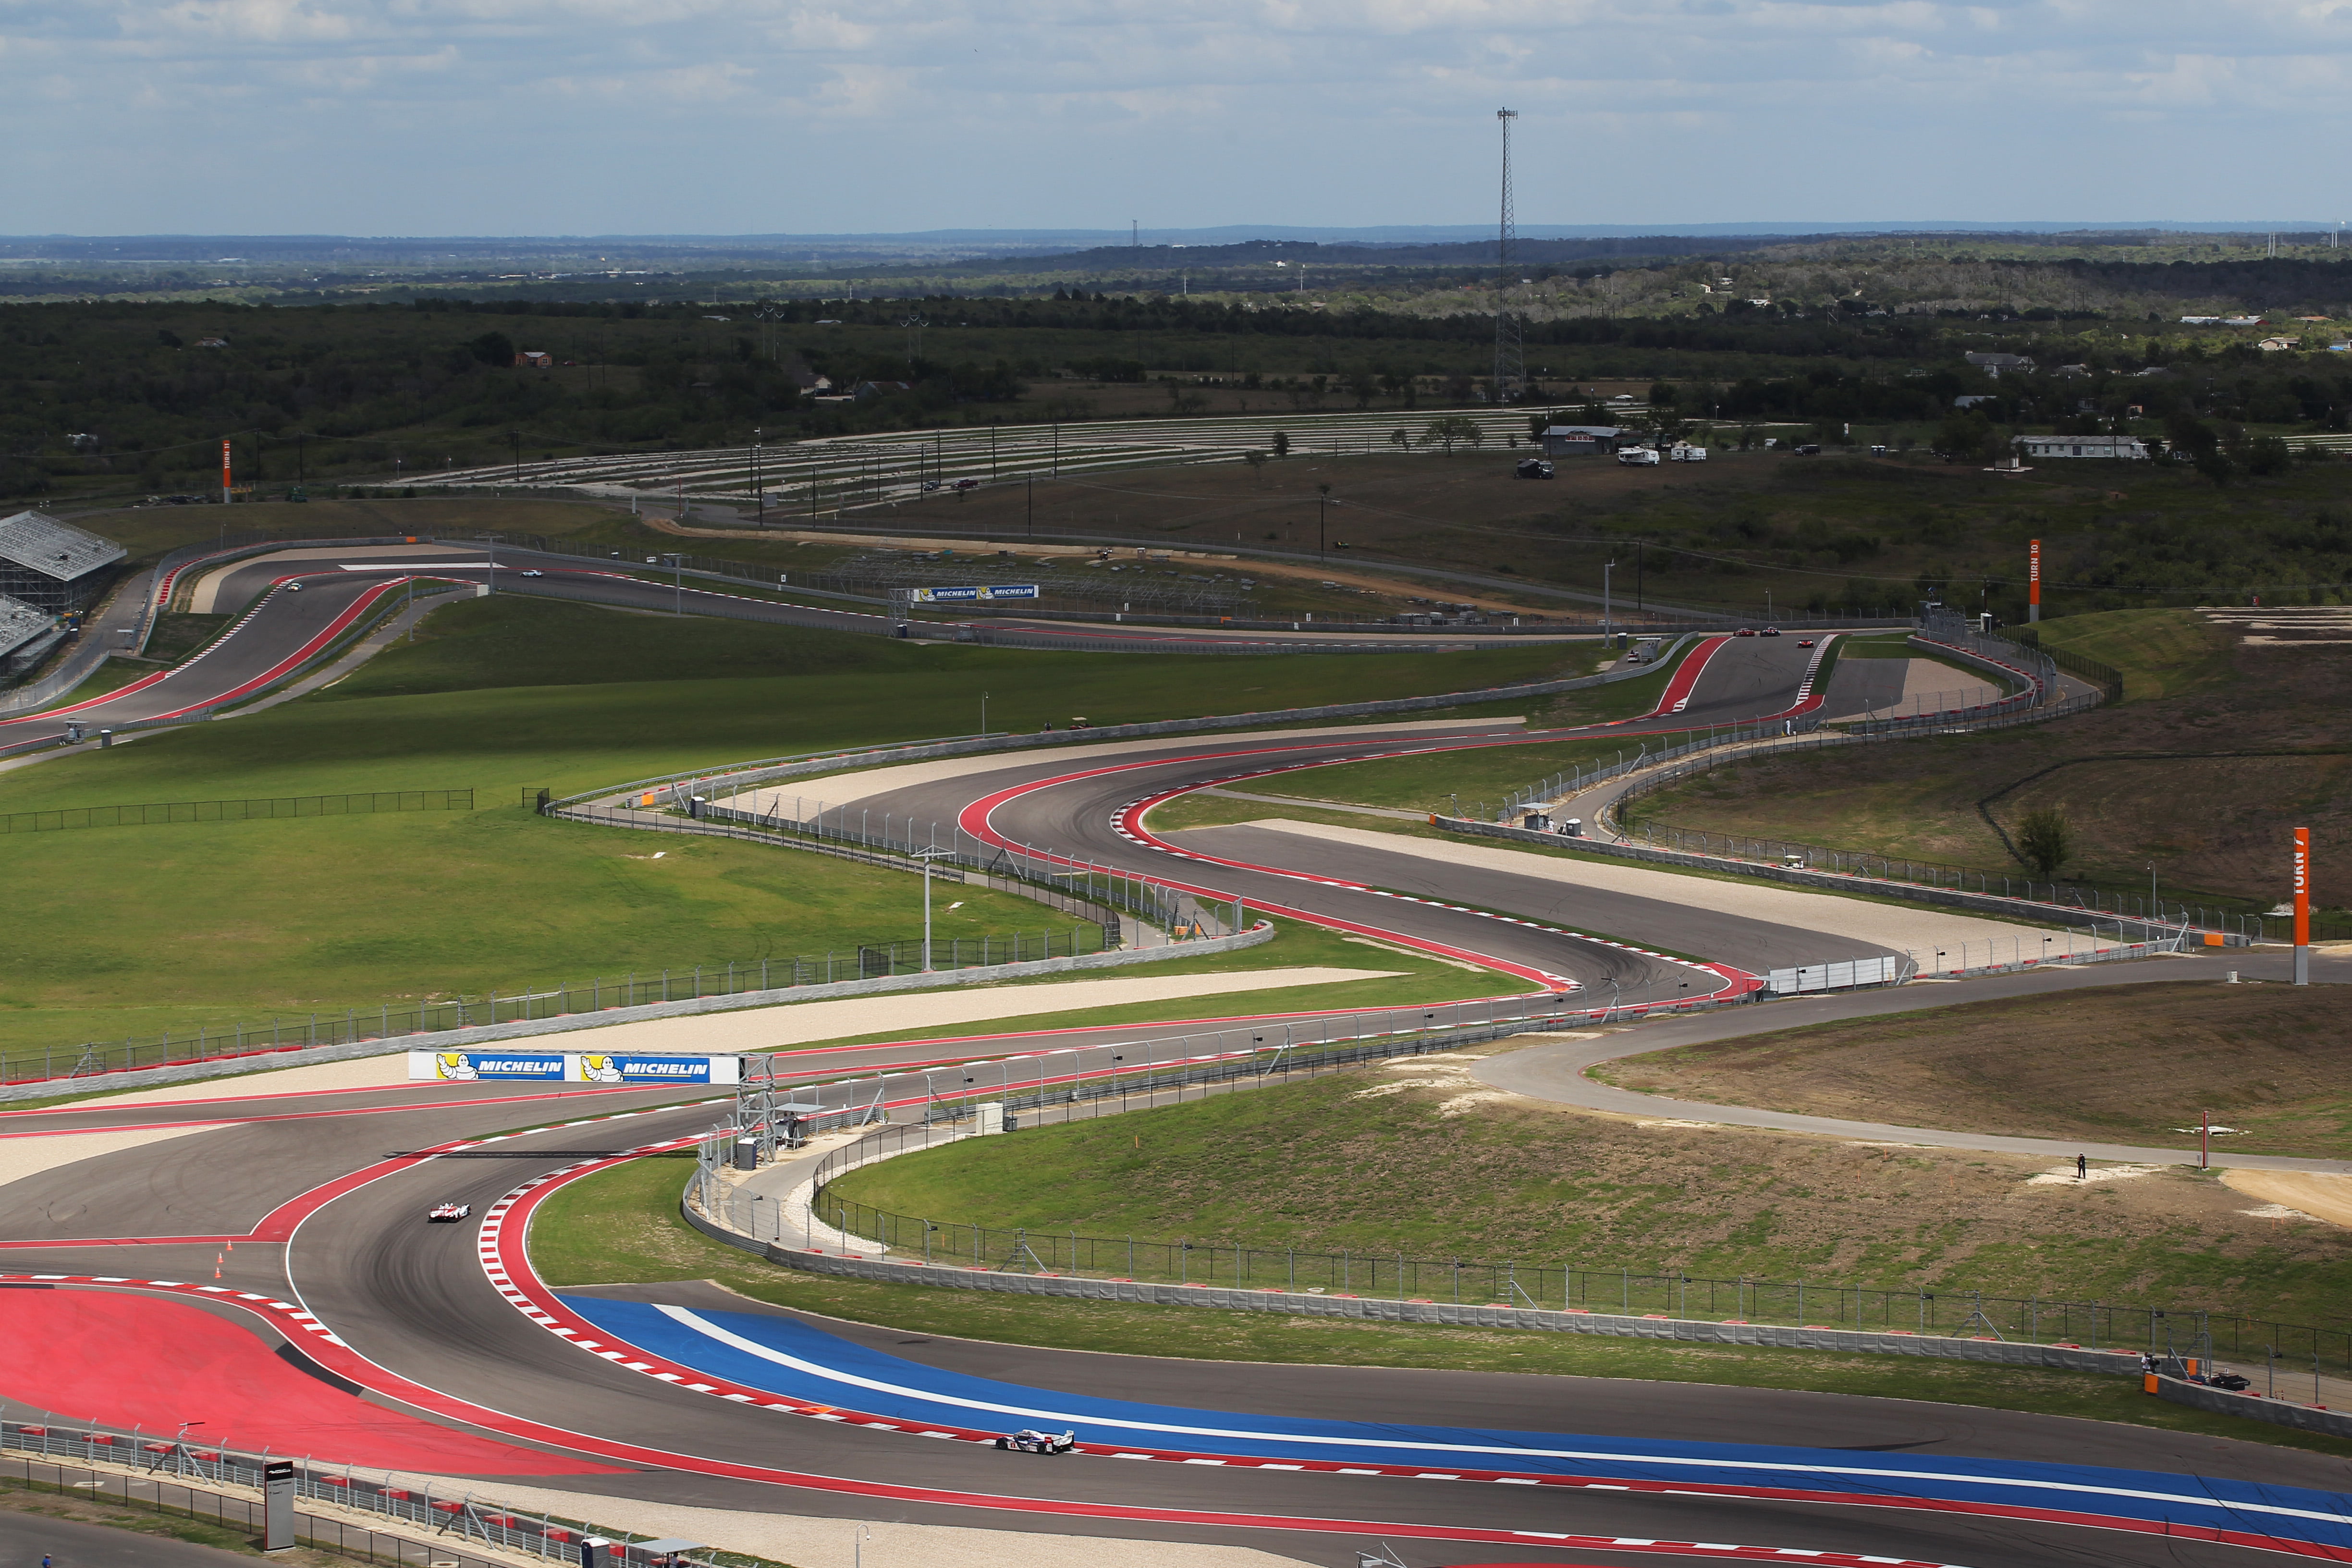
[[1417, 1170], [622, 1226], [2162, 653], [134, 930], [485, 716]]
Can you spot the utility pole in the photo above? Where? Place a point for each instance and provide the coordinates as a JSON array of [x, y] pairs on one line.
[[1605, 570], [759, 492], [927, 857], [1510, 358], [514, 438], [1322, 499]]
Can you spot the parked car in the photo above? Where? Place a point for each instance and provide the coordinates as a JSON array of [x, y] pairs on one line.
[[1534, 469], [968, 485], [1638, 458], [1684, 452]]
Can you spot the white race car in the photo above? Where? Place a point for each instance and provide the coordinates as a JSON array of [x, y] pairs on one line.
[[1030, 1441], [450, 1212]]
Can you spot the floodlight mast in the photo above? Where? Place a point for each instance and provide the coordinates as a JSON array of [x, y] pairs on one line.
[[1510, 378]]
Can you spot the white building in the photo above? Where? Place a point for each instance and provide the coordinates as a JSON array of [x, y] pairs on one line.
[[2128, 448]]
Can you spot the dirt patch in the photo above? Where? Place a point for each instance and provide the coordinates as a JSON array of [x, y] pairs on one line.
[[2289, 1195], [2131, 1063]]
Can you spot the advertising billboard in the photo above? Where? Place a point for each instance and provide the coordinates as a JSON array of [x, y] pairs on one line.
[[467, 1067], [625, 1066], [992, 593], [571, 1066]]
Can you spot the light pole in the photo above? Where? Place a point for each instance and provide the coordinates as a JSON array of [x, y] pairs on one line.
[[1605, 572], [983, 715], [1322, 499], [490, 577], [927, 857], [857, 1549], [677, 582], [758, 491]]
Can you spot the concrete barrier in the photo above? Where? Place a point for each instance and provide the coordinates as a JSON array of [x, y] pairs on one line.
[[2250, 1407]]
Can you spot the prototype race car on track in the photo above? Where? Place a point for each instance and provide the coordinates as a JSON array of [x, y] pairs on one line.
[[1029, 1441], [450, 1212]]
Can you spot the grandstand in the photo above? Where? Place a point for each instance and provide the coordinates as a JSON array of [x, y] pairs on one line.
[[25, 635], [51, 566]]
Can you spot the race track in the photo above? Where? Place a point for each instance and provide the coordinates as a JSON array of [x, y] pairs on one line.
[[310, 1206]]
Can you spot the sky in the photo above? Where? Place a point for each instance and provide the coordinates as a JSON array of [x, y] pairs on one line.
[[507, 117]]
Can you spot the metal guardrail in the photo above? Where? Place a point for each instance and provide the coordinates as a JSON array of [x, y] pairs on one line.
[[278, 808], [439, 1517], [736, 776], [1575, 779], [856, 960], [1552, 1284], [2099, 672]]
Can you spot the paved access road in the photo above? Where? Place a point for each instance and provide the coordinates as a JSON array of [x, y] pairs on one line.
[[1557, 1071]]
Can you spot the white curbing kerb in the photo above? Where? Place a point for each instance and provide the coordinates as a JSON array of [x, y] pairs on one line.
[[466, 1038]]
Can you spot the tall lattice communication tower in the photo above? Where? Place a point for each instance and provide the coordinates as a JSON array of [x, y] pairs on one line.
[[1510, 380]]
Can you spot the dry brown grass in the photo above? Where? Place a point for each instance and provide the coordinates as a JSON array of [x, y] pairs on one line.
[[2216, 823], [2130, 1064], [1422, 1172]]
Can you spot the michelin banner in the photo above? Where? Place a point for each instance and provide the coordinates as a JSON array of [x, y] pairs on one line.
[[571, 1066], [993, 593]]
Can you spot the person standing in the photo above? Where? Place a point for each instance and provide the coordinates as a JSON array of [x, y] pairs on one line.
[[2082, 1167]]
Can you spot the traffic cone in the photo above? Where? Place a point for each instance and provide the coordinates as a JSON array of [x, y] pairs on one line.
[[217, 1265]]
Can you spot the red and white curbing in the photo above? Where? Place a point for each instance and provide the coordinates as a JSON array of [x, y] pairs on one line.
[[500, 1246], [1728, 981], [504, 1262]]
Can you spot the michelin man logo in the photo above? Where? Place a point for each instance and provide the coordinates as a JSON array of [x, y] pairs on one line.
[[452, 1065], [599, 1069]]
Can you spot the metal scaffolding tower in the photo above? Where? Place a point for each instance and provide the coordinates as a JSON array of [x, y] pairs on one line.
[[759, 1115], [1510, 380]]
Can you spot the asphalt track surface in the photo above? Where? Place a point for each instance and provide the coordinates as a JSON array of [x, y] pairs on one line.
[[323, 1196], [290, 609]]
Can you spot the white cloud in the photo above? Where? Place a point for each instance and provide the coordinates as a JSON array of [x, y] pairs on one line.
[[1192, 111]]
